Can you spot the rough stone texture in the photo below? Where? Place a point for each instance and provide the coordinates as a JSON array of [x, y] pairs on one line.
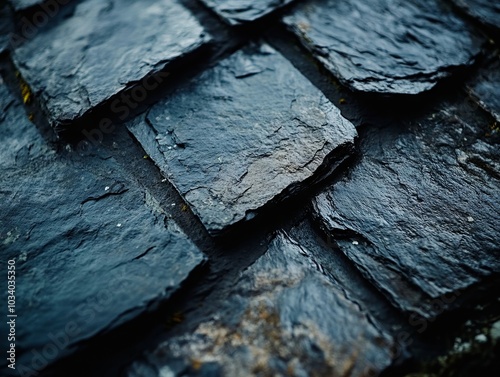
[[104, 48], [486, 11], [91, 250], [6, 26], [237, 12], [24, 4], [283, 318], [485, 88], [386, 46], [246, 133], [419, 214]]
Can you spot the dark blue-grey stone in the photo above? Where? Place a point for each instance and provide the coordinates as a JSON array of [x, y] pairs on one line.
[[386, 46], [24, 4], [250, 132], [419, 214], [236, 12], [91, 250], [104, 48], [486, 11], [485, 87], [6, 26], [283, 317]]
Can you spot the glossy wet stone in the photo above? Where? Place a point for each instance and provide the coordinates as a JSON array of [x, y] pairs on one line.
[[250, 132], [386, 46], [283, 317], [485, 87], [237, 12], [104, 48], [419, 214], [90, 252], [486, 11]]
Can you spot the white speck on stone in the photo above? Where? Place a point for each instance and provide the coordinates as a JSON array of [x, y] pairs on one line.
[[470, 219], [355, 242], [164, 180], [481, 338], [106, 188], [169, 148], [23, 257], [173, 204], [119, 225], [166, 372]]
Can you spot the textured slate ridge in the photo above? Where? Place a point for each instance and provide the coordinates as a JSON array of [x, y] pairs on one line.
[[230, 147], [237, 12], [419, 214], [6, 26], [104, 48], [24, 4], [90, 254], [283, 318], [486, 11], [485, 88], [385, 46]]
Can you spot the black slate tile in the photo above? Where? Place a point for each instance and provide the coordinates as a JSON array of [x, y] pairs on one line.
[[419, 214], [283, 317], [246, 133], [236, 12], [486, 11], [484, 88], [90, 252], [386, 46], [104, 48]]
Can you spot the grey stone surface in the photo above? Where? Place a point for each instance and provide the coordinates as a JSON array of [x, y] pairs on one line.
[[282, 318], [485, 87], [237, 12], [251, 131], [24, 4], [6, 26], [104, 48], [419, 214], [386, 46], [486, 11], [90, 251]]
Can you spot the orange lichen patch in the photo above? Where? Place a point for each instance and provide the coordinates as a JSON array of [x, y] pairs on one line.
[[342, 101], [184, 208], [25, 89], [196, 364], [31, 117]]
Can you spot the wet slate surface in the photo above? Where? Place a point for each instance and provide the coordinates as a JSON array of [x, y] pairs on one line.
[[486, 11], [485, 87], [104, 48], [6, 26], [91, 251], [230, 146], [24, 4], [283, 317], [419, 214], [236, 12], [386, 46]]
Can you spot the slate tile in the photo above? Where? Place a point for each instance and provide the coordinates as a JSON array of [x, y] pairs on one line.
[[6, 26], [486, 11], [90, 253], [419, 214], [237, 12], [386, 46], [104, 48], [485, 87], [251, 131], [25, 4], [282, 318]]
